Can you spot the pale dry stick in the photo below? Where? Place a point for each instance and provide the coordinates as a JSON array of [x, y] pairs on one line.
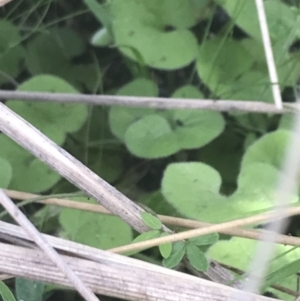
[[269, 53], [73, 170], [5, 277], [77, 173], [3, 2], [150, 102], [126, 278], [76, 249], [22, 220], [169, 220], [263, 217]]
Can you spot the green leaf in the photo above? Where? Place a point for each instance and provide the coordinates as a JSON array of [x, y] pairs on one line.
[[173, 49], [147, 235], [11, 51], [281, 274], [52, 52], [283, 25], [177, 254], [257, 188], [151, 221], [5, 173], [251, 85], [120, 118], [220, 63], [224, 154], [238, 253], [55, 120], [93, 229], [6, 293], [195, 128], [143, 237], [193, 189], [101, 12], [151, 137], [108, 164], [29, 173], [269, 149], [283, 22], [188, 91], [29, 290], [204, 240], [196, 257], [244, 14], [166, 248]]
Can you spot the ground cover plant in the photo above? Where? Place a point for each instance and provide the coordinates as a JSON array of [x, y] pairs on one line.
[[204, 165]]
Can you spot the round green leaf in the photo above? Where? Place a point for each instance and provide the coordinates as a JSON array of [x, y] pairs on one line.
[[193, 189], [287, 122], [151, 221], [143, 237], [139, 87], [269, 149], [5, 173], [55, 120], [188, 91], [166, 248], [219, 63], [204, 240], [147, 235], [93, 229], [173, 49], [50, 52], [177, 254], [196, 257], [257, 188], [195, 128], [29, 173], [120, 118], [151, 137]]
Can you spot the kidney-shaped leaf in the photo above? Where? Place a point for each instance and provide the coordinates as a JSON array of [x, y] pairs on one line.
[[55, 120], [193, 189], [96, 230], [151, 137], [269, 149], [120, 118], [195, 128], [139, 26], [5, 173]]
